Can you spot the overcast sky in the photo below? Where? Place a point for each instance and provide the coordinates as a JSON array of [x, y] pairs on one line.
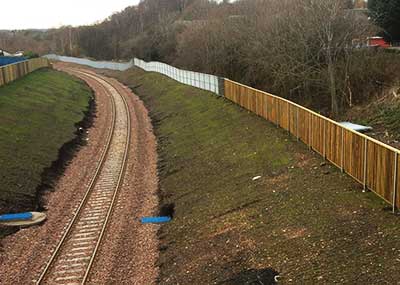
[[43, 14]]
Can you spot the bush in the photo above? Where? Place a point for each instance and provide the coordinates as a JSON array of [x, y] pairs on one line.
[[30, 54]]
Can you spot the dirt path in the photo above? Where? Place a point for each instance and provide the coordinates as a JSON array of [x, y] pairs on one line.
[[130, 250]]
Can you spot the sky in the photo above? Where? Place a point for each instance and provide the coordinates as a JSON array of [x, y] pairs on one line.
[[44, 14]]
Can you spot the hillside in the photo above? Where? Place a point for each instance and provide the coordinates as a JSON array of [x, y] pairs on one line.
[[38, 123], [302, 218]]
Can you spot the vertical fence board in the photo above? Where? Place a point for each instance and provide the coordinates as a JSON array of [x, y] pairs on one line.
[[264, 105], [253, 101], [304, 123], [283, 114], [258, 103], [317, 134], [380, 170], [353, 162], [333, 143], [292, 119], [2, 82], [242, 96]]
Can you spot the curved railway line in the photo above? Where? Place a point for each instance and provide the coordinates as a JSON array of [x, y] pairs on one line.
[[72, 259]]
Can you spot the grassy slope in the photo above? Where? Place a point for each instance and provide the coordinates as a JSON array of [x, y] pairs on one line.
[[37, 116], [309, 222]]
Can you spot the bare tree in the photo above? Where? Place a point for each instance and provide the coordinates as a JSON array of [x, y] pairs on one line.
[[335, 27]]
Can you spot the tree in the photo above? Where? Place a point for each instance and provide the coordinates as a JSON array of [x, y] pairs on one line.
[[334, 28], [386, 14]]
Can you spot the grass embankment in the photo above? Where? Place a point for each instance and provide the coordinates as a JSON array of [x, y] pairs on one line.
[[302, 218], [38, 115]]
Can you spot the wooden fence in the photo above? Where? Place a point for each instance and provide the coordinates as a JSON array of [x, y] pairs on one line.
[[370, 162], [14, 71]]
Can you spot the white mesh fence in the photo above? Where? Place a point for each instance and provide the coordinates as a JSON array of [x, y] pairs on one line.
[[200, 80], [95, 64]]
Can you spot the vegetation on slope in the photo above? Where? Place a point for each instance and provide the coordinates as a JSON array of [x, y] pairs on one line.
[[38, 115], [382, 114], [302, 218]]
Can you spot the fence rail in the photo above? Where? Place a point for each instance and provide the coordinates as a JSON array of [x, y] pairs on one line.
[[370, 162], [14, 71]]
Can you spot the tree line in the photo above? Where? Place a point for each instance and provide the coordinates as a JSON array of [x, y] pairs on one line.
[[311, 51]]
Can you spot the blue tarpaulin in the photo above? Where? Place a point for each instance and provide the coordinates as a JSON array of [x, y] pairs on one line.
[[16, 217], [155, 220], [4, 60]]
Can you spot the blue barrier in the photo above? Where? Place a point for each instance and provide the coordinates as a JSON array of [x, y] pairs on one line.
[[5, 60], [155, 220], [16, 217]]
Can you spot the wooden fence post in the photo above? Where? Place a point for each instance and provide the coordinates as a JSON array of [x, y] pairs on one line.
[[396, 156], [365, 164]]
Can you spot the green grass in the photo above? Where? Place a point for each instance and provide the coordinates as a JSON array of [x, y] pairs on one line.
[[305, 220], [38, 114]]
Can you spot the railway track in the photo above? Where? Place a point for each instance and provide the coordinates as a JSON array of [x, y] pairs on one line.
[[72, 260]]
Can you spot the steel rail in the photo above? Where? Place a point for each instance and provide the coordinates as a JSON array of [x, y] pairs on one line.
[[109, 88]]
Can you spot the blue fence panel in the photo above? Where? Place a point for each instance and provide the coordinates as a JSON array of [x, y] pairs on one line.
[[4, 60]]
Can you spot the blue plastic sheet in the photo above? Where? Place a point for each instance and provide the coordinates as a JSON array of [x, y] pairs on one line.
[[155, 220], [16, 217], [4, 60]]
